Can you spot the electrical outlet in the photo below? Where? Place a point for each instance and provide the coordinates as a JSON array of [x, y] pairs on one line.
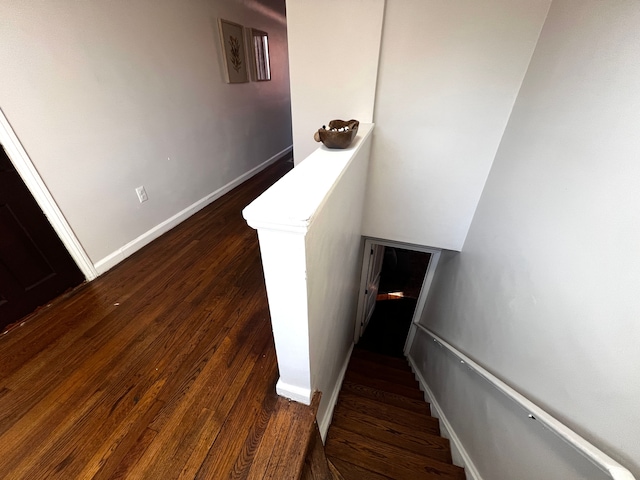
[[142, 194]]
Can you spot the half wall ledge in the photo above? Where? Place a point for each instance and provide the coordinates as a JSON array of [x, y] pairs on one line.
[[309, 226]]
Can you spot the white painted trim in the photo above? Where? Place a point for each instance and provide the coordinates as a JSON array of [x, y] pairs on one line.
[[293, 392], [460, 456], [422, 298], [31, 178], [136, 244], [600, 459], [328, 417], [404, 245], [364, 274]]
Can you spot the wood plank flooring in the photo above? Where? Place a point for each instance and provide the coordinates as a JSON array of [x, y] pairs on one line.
[[382, 428], [163, 368]]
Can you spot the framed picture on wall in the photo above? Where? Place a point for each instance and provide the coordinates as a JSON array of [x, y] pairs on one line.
[[259, 46], [233, 51]]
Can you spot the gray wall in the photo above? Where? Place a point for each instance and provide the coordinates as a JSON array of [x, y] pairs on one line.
[[439, 80], [107, 96], [448, 76], [545, 291], [325, 85]]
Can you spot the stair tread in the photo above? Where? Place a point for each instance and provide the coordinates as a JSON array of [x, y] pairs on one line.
[[428, 444], [401, 364], [349, 471], [390, 398], [391, 374], [371, 380], [385, 411], [283, 447], [382, 427], [410, 430], [334, 471], [395, 362], [386, 459]]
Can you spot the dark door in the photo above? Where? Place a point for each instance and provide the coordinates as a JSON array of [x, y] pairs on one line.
[[35, 267]]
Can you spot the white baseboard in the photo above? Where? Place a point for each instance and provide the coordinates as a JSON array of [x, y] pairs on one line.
[[297, 394], [325, 422], [133, 246], [460, 456]]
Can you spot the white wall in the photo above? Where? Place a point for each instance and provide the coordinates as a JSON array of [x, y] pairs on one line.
[[311, 254], [334, 261], [449, 74], [103, 94], [333, 54], [545, 291]]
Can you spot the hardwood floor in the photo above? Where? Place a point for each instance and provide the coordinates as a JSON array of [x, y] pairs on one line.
[[163, 368], [382, 428]]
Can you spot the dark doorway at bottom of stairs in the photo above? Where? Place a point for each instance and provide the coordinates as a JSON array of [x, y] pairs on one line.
[[401, 278], [388, 327]]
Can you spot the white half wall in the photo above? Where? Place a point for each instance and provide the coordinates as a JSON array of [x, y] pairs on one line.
[[545, 292], [334, 260], [448, 76], [333, 55], [309, 226], [108, 96]]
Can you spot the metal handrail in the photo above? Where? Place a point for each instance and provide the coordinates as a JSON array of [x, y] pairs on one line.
[[600, 459]]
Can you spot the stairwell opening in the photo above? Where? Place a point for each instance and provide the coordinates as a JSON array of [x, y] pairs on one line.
[[395, 281], [381, 426]]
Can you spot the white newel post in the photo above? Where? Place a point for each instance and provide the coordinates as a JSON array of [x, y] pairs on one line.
[[283, 261]]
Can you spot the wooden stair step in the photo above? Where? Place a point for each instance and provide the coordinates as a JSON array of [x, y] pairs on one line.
[[316, 465], [412, 404], [382, 428], [334, 471], [390, 413], [371, 380], [349, 471], [411, 431], [428, 444], [283, 448], [387, 459], [394, 362], [391, 374]]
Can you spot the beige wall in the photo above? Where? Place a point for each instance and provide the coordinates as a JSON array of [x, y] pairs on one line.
[[107, 96]]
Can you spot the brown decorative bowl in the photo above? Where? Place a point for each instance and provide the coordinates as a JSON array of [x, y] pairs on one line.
[[332, 138]]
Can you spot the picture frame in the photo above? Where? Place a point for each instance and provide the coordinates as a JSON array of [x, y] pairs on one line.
[[259, 46], [232, 41]]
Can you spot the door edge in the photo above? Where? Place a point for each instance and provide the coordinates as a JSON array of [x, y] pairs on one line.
[[31, 178]]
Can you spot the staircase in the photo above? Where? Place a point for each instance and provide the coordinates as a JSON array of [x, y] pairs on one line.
[[382, 428]]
